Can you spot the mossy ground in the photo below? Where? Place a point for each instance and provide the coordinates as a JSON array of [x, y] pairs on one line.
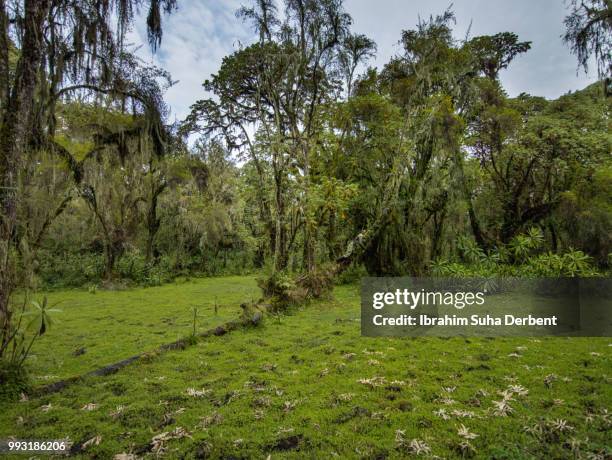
[[307, 385]]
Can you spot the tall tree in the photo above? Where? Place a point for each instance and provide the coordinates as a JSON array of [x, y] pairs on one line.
[[63, 47], [277, 88]]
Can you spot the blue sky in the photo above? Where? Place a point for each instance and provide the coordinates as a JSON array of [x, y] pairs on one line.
[[201, 32]]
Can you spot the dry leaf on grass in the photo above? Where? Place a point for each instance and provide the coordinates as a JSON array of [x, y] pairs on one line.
[[95, 441], [464, 432], [124, 456], [198, 393], [158, 442], [210, 420], [117, 412], [373, 382]]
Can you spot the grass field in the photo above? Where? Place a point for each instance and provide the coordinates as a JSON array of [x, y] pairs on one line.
[[93, 330], [307, 385]]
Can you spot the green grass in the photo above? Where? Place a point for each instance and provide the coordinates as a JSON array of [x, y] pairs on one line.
[[291, 388], [112, 325]]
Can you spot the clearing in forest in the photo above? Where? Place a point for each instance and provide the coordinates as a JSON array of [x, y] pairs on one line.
[[308, 385]]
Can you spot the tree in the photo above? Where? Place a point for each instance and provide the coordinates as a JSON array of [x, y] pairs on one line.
[[278, 88], [589, 33], [495, 52], [356, 49], [426, 84], [63, 47], [111, 194]]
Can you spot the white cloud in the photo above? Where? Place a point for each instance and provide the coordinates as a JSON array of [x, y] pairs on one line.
[[201, 32], [548, 69], [195, 39]]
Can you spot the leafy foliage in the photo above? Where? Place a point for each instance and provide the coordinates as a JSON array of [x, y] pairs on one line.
[[303, 163], [589, 33], [522, 257]]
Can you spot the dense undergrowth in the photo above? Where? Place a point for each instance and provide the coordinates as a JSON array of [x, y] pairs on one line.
[[70, 269], [524, 256]]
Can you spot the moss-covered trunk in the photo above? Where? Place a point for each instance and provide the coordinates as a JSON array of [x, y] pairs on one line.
[[15, 135]]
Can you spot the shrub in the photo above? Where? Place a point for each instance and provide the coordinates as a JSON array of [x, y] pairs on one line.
[[550, 265], [496, 264], [519, 258], [280, 287], [316, 283], [70, 269], [16, 346], [351, 275], [14, 380]]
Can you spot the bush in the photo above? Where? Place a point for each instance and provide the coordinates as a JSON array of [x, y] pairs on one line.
[[70, 269], [19, 340], [351, 275], [286, 289], [76, 269], [522, 257], [570, 264], [14, 380], [132, 266], [550, 265], [280, 288]]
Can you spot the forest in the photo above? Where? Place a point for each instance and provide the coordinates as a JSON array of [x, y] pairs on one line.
[[305, 169]]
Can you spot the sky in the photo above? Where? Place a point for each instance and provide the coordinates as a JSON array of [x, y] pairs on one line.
[[200, 33]]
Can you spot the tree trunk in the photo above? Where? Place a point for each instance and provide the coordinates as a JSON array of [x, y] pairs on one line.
[[309, 248], [510, 223], [264, 202], [153, 222], [110, 261], [436, 244], [474, 224], [331, 236], [4, 57], [309, 233], [280, 231], [149, 245], [553, 236], [14, 137]]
